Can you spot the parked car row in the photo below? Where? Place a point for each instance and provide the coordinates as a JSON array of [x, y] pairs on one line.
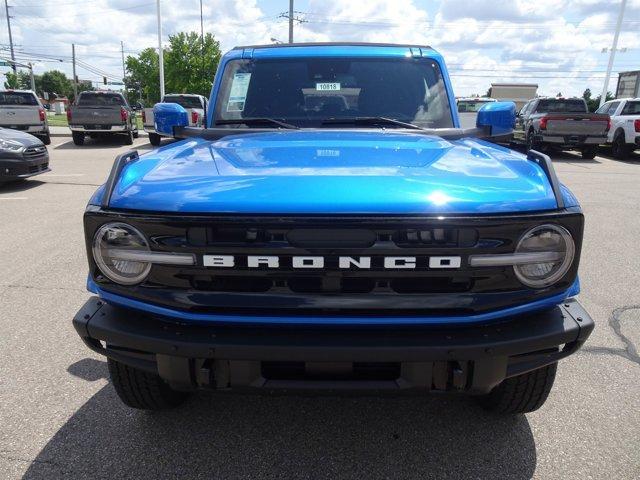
[[554, 123]]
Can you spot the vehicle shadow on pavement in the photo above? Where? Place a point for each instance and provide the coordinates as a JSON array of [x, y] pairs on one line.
[[19, 186], [250, 436], [115, 141]]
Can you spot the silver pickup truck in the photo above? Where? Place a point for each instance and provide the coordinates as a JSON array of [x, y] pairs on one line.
[[100, 114], [561, 124], [22, 110]]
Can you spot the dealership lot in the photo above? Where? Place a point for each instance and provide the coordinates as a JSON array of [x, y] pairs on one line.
[[60, 418]]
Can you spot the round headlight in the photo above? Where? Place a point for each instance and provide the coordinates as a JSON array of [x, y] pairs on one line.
[[557, 243], [111, 244]]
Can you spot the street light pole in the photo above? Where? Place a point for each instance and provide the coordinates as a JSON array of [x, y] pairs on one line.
[[160, 55], [612, 55], [290, 21], [13, 56], [33, 80], [75, 77]]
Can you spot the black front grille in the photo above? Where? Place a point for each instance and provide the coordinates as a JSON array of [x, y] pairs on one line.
[[332, 290], [35, 152], [38, 168]]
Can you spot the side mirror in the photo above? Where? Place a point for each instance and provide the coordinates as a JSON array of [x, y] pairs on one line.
[[498, 117], [167, 116]]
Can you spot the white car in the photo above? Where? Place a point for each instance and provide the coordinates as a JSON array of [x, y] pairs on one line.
[[195, 105], [22, 110], [624, 134]]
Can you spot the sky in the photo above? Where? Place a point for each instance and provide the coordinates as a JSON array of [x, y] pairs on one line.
[[557, 44]]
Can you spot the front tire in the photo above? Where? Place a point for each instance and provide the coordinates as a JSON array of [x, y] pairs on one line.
[[46, 139], [531, 144], [78, 138], [154, 139], [522, 393], [589, 153], [143, 390]]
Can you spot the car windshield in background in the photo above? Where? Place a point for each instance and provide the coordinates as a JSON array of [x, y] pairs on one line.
[[307, 91], [631, 108], [17, 98], [561, 106], [183, 101], [470, 105], [100, 100]]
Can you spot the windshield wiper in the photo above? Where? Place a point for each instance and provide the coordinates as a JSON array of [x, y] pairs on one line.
[[370, 121], [255, 121]]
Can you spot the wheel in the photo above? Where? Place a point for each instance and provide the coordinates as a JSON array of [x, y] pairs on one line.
[[522, 393], [135, 134], [531, 144], [78, 138], [143, 390], [46, 139], [589, 153], [619, 147], [154, 139], [128, 139]]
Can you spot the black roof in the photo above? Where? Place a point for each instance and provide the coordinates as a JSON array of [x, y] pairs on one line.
[[332, 44]]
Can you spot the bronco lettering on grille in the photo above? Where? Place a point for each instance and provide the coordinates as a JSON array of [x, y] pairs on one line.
[[319, 262]]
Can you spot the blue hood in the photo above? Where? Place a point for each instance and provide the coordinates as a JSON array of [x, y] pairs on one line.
[[333, 171]]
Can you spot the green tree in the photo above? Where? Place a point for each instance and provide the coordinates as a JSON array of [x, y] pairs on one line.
[[56, 82], [18, 81], [189, 63], [594, 103], [142, 82]]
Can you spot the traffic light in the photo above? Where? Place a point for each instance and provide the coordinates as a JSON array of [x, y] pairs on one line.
[[104, 80]]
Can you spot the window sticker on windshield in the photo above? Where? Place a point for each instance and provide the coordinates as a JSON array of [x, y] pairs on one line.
[[238, 93], [324, 87]]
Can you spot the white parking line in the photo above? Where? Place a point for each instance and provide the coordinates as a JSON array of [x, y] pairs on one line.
[[14, 198]]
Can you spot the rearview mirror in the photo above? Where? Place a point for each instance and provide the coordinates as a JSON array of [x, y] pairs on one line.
[[167, 116], [499, 117]]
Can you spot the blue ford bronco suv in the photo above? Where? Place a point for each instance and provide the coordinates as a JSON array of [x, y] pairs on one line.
[[334, 229]]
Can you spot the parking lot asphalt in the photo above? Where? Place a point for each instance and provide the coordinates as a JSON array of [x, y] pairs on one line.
[[60, 418]]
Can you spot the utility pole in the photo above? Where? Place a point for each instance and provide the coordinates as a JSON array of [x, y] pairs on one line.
[[612, 55], [290, 21], [75, 78], [202, 40], [33, 80], [160, 54], [124, 71], [13, 56]]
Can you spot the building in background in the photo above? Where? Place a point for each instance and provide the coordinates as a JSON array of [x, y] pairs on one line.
[[520, 93]]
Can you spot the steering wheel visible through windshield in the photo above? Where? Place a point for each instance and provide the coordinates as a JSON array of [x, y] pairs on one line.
[[306, 92]]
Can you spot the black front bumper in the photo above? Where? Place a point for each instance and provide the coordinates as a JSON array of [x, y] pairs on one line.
[[460, 358], [18, 168]]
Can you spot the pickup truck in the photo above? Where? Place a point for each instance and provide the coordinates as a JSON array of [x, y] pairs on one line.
[[561, 124], [333, 228], [100, 114], [195, 105], [22, 110], [624, 135]]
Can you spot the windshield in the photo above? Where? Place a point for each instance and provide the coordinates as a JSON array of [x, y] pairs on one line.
[[183, 101], [471, 105], [561, 106], [306, 91], [17, 98], [100, 100]]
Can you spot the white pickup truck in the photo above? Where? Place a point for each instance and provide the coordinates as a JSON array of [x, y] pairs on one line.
[[22, 110], [195, 105], [624, 135]]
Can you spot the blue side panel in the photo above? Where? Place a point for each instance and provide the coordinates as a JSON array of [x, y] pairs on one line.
[[315, 320]]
